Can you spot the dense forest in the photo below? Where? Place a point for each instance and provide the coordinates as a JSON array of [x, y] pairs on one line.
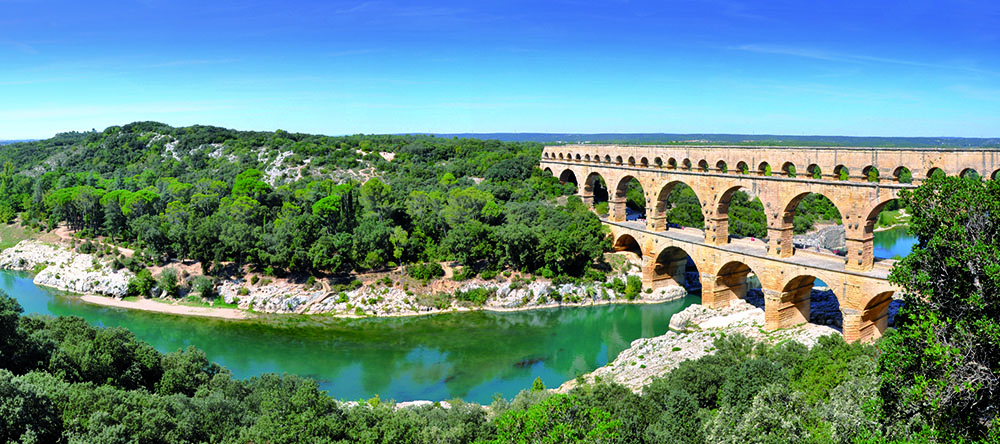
[[298, 203]]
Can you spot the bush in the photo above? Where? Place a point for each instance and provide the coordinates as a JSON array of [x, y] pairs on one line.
[[633, 288], [476, 296], [87, 248], [168, 282], [464, 274], [746, 381], [602, 209], [425, 271], [142, 284], [205, 286], [678, 421]]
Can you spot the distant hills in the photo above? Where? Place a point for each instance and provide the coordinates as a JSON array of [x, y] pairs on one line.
[[741, 139], [8, 142]]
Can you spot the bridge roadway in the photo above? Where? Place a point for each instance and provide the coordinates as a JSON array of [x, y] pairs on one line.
[[786, 282], [860, 181]]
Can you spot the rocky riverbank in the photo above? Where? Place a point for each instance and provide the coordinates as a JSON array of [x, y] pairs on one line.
[[62, 268], [387, 297], [695, 330], [384, 294], [831, 237]]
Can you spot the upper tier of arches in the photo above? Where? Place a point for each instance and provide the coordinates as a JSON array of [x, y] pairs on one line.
[[878, 165]]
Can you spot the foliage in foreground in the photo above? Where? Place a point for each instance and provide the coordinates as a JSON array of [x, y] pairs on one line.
[[941, 369]]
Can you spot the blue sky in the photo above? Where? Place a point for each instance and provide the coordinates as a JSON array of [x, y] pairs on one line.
[[890, 68]]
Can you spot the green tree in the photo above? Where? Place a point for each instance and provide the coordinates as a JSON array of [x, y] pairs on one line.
[[940, 365]]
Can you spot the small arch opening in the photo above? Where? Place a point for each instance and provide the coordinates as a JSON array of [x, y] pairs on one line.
[[618, 160], [644, 162], [788, 169], [842, 172], [631, 161], [871, 173], [970, 173], [672, 163], [742, 168], [814, 171], [935, 172], [764, 169], [903, 175], [658, 162], [687, 164], [721, 166], [703, 165]]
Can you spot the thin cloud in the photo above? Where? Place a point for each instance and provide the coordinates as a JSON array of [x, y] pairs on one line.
[[818, 54], [191, 62], [20, 46]]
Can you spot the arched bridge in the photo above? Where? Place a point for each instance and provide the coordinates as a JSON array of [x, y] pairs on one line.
[[860, 181]]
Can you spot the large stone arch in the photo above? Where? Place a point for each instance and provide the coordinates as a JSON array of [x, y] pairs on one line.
[[626, 242], [868, 322], [728, 284], [790, 305], [658, 218], [618, 198], [592, 191], [717, 232], [667, 267], [568, 175], [780, 222]]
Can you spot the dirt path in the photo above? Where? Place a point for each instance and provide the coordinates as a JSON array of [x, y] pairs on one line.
[[161, 307]]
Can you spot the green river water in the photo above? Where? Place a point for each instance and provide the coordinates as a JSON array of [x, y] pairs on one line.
[[470, 355]]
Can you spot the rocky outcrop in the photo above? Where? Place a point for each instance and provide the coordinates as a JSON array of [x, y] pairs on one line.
[[381, 300], [696, 329], [62, 268], [831, 237]]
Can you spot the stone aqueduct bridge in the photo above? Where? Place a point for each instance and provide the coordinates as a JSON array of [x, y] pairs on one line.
[[786, 274]]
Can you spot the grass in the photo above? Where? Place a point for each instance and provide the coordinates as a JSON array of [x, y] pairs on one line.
[[890, 218], [11, 234]]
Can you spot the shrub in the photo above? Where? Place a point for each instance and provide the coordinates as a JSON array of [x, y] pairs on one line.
[[141, 284], [205, 286], [602, 209], [476, 296], [168, 282], [464, 274], [425, 271], [633, 288], [87, 248]]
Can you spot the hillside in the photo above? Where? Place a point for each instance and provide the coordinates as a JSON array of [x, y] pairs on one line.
[[282, 203]]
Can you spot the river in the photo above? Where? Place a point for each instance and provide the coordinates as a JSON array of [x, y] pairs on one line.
[[894, 242], [471, 355]]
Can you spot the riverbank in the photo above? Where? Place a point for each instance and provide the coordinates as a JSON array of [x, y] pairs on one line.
[[166, 307], [390, 293], [693, 333]]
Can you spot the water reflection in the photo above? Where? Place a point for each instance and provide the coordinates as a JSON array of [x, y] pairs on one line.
[[467, 355], [894, 242]]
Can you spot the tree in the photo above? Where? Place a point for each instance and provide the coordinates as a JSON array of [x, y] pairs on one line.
[[942, 362]]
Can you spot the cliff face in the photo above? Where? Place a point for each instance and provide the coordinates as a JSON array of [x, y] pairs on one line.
[[65, 269]]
